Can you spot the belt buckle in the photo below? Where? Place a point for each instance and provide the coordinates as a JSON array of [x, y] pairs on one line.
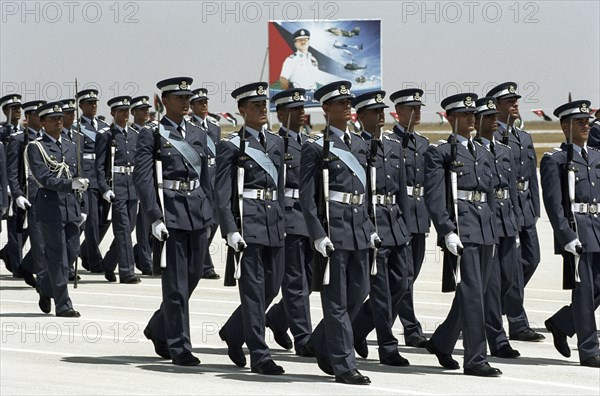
[[593, 208], [500, 194], [355, 199], [520, 186], [268, 195], [388, 200], [184, 186], [416, 191], [476, 196]]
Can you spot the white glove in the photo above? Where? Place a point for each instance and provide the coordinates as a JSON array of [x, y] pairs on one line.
[[375, 241], [108, 196], [234, 238], [80, 184], [321, 245], [571, 247], [83, 219], [518, 242], [535, 219], [453, 243], [22, 202], [158, 229]]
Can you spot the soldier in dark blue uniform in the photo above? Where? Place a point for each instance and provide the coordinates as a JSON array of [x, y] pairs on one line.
[[583, 244], [525, 168], [468, 233], [394, 261], [96, 207], [407, 103], [351, 231], [185, 216], [594, 138], [53, 163], [142, 252], [121, 191], [201, 118], [501, 274], [263, 230], [293, 311], [23, 195]]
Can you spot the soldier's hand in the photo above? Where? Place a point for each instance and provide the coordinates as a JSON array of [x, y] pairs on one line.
[[108, 196], [22, 203], [80, 184], [572, 246], [159, 230], [453, 243], [321, 245], [234, 239], [375, 242]]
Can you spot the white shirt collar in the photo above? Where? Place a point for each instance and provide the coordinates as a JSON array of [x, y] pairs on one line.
[[51, 138], [182, 125], [338, 132]]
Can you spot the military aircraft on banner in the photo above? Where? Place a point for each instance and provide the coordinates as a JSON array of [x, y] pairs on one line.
[[354, 66], [344, 33], [339, 45]]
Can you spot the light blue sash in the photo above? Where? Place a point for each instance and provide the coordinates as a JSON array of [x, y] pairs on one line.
[[261, 158], [184, 148], [349, 159]]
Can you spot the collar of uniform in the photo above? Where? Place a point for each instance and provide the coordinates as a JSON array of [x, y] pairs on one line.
[[138, 126], [120, 129], [462, 140], [485, 142], [182, 125], [89, 120], [403, 130], [503, 125], [200, 119], [253, 132], [291, 134], [338, 132], [51, 138], [578, 149]]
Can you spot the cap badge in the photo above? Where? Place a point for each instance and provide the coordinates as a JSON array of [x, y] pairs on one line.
[[511, 89], [468, 101], [378, 98], [491, 104], [183, 85], [584, 108], [343, 90], [260, 90], [56, 108], [296, 97]]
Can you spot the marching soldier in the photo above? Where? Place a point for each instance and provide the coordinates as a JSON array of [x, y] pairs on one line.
[[501, 275], [407, 103], [54, 165], [182, 219], [249, 185], [459, 171], [97, 208], [390, 208], [23, 191], [199, 104], [525, 162], [348, 232], [293, 311], [571, 191], [115, 183], [142, 252]]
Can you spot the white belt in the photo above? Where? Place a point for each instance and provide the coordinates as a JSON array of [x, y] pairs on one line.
[[123, 169], [584, 208], [472, 196], [503, 193], [346, 198], [292, 193], [415, 191], [381, 199], [522, 185], [265, 195], [211, 162], [90, 156], [178, 185]]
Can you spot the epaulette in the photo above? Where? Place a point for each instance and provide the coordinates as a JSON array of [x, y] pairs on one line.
[[230, 136], [440, 142], [16, 133], [553, 151], [38, 139], [105, 129], [497, 143], [391, 137], [193, 123], [212, 120], [594, 148], [272, 133], [418, 134], [357, 134]]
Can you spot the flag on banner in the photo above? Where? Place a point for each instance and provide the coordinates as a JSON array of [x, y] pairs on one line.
[[442, 115], [355, 123], [158, 106], [229, 118], [540, 113], [394, 115]]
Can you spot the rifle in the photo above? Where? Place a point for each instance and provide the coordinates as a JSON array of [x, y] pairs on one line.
[[110, 164], [406, 136], [286, 143], [373, 179], [570, 261], [78, 194], [505, 134], [159, 251], [21, 214], [321, 264]]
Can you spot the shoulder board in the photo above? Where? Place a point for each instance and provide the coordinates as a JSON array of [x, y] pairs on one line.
[[440, 142], [596, 122], [16, 133], [479, 144], [212, 120], [358, 135], [230, 136], [390, 137], [418, 134], [553, 151], [193, 123], [272, 133], [497, 143], [104, 130], [39, 139], [522, 130], [594, 148]]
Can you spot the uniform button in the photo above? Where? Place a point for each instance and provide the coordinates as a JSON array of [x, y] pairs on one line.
[[355, 210], [589, 167], [478, 207], [389, 177], [478, 178], [338, 166], [353, 174], [496, 161], [416, 154], [418, 198], [593, 184], [385, 159], [476, 163], [269, 206], [355, 192], [189, 193], [577, 178], [501, 203], [417, 169], [594, 200], [521, 162]]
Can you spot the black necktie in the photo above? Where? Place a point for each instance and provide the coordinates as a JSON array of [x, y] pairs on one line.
[[59, 145], [584, 154], [261, 138], [493, 148], [180, 130], [93, 123], [347, 140], [471, 148], [299, 138]]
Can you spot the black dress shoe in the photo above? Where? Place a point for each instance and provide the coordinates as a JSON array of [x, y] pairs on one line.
[[211, 274], [325, 365], [559, 338], [160, 347], [306, 351], [361, 347], [131, 279], [506, 352], [69, 313], [353, 377], [527, 335], [444, 359], [147, 272], [72, 277], [29, 278], [395, 360], [110, 276], [186, 359], [45, 304], [594, 361], [281, 337], [417, 342], [268, 367], [235, 353], [483, 370]]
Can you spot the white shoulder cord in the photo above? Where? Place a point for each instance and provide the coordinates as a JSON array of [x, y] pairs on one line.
[[53, 166]]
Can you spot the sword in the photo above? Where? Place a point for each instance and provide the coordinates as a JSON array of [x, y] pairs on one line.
[[240, 192]]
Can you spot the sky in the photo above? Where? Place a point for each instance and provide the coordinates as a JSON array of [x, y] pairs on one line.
[[550, 48]]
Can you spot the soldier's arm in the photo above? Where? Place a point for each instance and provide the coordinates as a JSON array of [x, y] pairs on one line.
[[310, 174], [3, 179], [205, 177], [143, 175], [225, 182], [101, 146], [534, 186], [402, 193], [512, 188], [13, 152], [281, 181], [435, 191], [42, 174], [553, 199]]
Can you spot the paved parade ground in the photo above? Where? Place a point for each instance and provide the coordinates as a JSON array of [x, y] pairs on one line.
[[105, 352]]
